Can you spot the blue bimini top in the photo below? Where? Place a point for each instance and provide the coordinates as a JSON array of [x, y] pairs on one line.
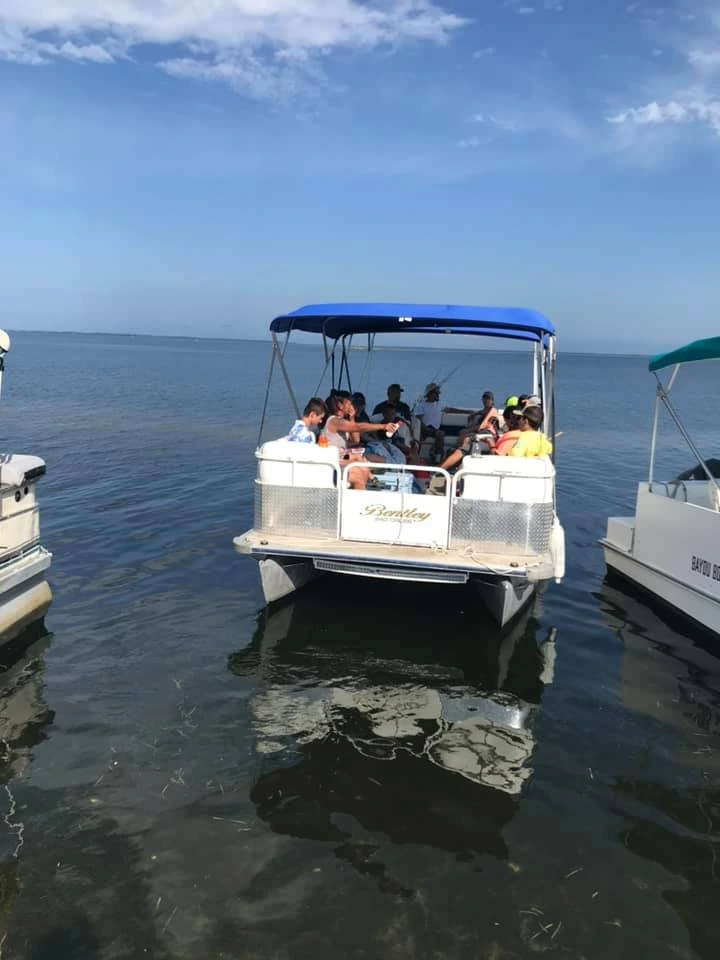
[[336, 320]]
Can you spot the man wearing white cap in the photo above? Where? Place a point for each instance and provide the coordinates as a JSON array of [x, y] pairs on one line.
[[429, 413]]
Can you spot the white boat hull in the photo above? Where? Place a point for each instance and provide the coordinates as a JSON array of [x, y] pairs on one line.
[[282, 574], [505, 598], [671, 550], [25, 594], [491, 525], [689, 603]]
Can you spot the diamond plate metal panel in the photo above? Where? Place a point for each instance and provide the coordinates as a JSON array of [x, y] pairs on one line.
[[502, 527], [300, 511]]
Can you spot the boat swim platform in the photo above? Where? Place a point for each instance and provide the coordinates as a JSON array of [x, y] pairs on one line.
[[420, 560]]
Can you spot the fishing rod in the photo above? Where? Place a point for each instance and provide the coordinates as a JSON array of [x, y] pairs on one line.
[[440, 383], [452, 373]]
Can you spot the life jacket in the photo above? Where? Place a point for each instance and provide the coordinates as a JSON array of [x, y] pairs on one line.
[[506, 442]]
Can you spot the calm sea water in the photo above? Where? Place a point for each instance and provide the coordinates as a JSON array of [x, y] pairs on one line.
[[184, 774]]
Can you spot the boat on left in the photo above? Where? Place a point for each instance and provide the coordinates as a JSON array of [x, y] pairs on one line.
[[25, 594]]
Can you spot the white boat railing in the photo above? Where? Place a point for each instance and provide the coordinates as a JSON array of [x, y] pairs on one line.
[[662, 395], [500, 510], [398, 516], [507, 511]]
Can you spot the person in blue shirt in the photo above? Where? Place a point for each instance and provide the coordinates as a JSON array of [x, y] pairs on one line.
[[303, 430]]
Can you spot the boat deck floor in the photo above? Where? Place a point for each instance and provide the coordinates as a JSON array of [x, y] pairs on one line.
[[464, 558]]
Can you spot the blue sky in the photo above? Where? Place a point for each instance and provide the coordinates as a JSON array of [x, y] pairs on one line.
[[170, 166]]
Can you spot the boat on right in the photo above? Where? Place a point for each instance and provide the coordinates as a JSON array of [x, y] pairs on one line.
[[670, 548]]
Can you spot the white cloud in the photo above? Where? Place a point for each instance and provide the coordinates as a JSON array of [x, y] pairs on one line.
[[94, 52], [691, 107], [706, 61], [247, 73], [525, 9], [485, 52], [508, 123], [21, 45], [539, 116], [247, 43], [684, 91]]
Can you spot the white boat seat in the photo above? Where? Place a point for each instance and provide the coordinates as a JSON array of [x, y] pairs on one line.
[[452, 424], [17, 469], [700, 492], [508, 479], [456, 421], [286, 463]]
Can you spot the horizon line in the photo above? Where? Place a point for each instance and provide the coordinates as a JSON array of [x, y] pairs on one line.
[[220, 339]]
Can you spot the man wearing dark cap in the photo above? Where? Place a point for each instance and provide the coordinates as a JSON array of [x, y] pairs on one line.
[[531, 443], [394, 392]]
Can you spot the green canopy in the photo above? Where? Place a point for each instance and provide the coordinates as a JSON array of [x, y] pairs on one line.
[[708, 349]]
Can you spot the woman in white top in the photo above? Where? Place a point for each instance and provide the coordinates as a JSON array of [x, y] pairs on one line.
[[341, 427]]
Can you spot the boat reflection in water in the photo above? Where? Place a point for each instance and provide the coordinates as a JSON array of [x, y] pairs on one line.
[[24, 717], [417, 722], [670, 668], [670, 678]]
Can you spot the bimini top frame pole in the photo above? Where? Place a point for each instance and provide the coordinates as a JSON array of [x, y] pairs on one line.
[[338, 322], [662, 395], [277, 356]]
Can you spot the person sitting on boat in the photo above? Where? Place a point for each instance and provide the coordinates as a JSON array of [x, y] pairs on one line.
[[480, 439], [304, 430], [394, 396], [359, 402], [429, 413], [479, 418], [340, 426], [531, 400], [531, 442], [504, 442], [395, 449], [383, 450]]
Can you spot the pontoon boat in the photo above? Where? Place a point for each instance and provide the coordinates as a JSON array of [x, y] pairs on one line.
[[671, 546], [24, 592], [495, 524]]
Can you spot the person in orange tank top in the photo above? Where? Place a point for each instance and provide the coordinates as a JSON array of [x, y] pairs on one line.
[[502, 446]]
